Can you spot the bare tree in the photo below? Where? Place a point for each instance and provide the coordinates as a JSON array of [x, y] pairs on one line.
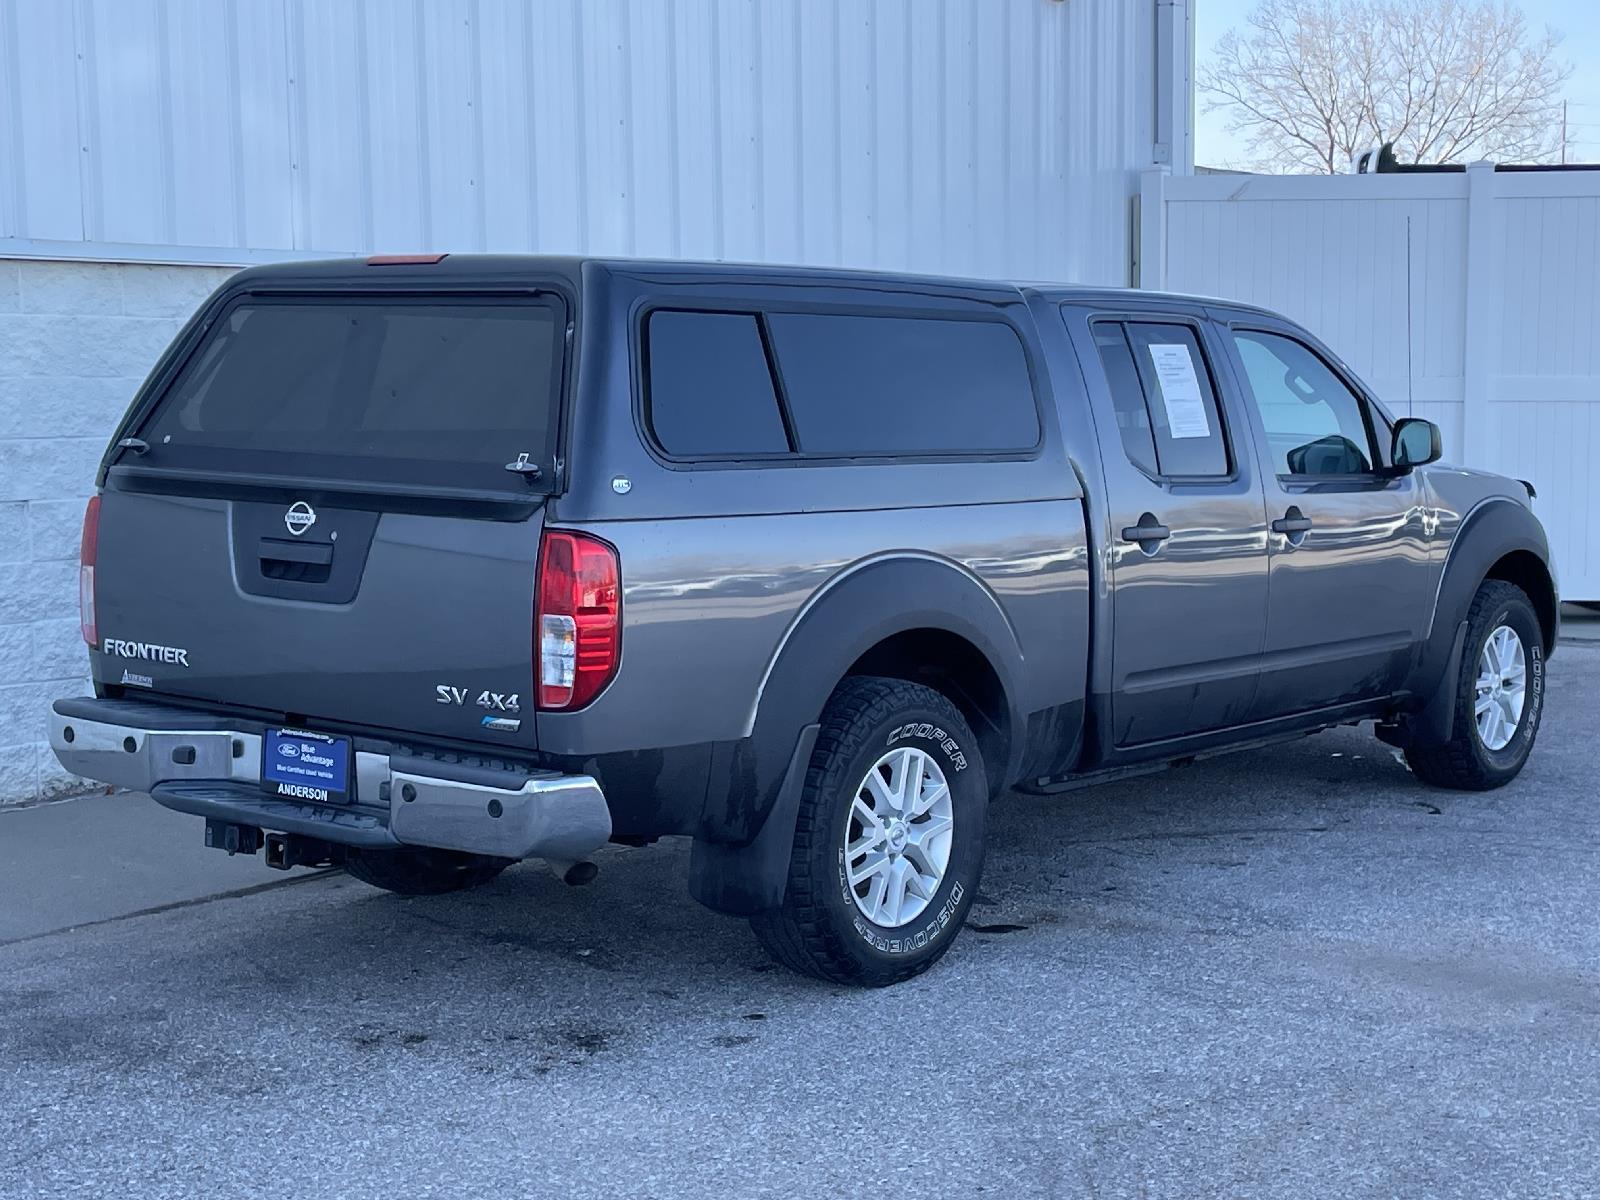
[[1312, 83]]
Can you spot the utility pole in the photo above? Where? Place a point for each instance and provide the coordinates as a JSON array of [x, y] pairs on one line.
[[1563, 133]]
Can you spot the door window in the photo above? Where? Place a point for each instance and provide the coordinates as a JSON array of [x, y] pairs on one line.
[[1315, 425], [1127, 396], [1161, 389]]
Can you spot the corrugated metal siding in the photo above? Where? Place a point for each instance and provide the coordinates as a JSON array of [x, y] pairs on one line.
[[994, 137]]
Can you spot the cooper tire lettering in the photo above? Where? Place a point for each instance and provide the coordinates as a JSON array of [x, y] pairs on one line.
[[932, 733]]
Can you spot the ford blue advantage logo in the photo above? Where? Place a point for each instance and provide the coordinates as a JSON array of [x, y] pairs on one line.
[[306, 766]]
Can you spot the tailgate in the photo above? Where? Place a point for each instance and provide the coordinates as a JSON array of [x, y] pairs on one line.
[[397, 621], [330, 506]]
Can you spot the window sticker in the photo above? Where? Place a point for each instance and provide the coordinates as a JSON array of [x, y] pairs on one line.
[[1180, 390]]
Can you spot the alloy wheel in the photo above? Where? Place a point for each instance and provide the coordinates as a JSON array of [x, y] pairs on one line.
[[1502, 688], [898, 839]]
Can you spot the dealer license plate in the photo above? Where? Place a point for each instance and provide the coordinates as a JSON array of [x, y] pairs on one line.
[[306, 766]]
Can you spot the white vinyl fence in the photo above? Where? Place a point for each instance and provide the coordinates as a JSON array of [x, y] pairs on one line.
[[1472, 299]]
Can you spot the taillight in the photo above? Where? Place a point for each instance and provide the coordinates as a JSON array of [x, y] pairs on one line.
[[577, 624], [87, 549]]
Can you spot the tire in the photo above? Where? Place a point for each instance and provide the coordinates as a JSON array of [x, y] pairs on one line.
[[821, 928], [1466, 762], [419, 871]]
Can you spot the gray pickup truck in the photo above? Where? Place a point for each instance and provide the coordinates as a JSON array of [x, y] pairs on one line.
[[423, 565]]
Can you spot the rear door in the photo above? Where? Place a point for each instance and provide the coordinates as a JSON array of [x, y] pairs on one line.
[[1188, 562], [323, 523], [1351, 583]]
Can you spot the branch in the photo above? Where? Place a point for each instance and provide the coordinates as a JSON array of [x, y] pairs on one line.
[[1307, 81]]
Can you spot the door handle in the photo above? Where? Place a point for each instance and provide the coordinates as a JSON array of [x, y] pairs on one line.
[[1292, 522], [318, 554], [1147, 531]]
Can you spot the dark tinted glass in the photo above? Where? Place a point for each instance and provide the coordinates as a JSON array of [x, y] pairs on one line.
[[710, 390], [1183, 407], [1127, 394], [904, 385], [395, 391]]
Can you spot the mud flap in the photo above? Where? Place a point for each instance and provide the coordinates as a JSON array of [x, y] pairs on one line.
[[744, 880], [1432, 724]]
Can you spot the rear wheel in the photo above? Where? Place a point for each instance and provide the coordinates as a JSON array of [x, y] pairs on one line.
[[420, 871], [1499, 695], [889, 840]]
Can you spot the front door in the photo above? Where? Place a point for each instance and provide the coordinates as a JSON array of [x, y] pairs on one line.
[[1187, 559], [1351, 583]]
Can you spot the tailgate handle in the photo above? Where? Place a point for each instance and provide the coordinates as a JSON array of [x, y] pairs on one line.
[[316, 554]]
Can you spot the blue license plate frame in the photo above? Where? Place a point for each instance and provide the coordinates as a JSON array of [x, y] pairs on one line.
[[297, 764]]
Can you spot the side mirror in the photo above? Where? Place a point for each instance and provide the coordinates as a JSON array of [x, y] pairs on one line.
[[1416, 443]]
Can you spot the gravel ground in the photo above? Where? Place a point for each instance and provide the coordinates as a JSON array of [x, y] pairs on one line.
[[1292, 972]]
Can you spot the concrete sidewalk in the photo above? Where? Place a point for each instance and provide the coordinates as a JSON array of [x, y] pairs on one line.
[[99, 857]]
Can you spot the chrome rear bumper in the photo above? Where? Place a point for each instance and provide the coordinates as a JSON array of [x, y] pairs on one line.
[[197, 764]]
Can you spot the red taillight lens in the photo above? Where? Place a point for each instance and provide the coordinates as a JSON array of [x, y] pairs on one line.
[[87, 550], [577, 624]]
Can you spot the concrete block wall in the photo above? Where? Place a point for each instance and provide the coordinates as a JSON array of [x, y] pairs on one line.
[[76, 339]]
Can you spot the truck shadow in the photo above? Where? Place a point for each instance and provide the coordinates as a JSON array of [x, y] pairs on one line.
[[527, 975], [1045, 853]]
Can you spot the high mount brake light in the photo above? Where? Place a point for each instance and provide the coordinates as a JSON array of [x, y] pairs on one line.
[[577, 624]]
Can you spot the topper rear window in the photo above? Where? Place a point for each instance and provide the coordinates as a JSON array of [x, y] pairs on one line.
[[410, 391]]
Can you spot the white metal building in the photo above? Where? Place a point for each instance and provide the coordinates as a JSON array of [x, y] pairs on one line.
[[147, 146]]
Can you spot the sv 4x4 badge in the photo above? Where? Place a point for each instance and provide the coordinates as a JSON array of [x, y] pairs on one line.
[[494, 701]]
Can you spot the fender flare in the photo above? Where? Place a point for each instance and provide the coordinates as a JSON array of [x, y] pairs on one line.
[[1492, 529], [864, 605], [740, 860]]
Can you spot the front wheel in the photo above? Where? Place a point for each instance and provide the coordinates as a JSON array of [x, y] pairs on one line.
[[889, 839], [1499, 695]]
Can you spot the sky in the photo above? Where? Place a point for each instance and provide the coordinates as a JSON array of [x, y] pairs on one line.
[[1577, 20]]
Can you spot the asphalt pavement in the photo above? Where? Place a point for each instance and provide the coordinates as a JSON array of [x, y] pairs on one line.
[[1292, 972]]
